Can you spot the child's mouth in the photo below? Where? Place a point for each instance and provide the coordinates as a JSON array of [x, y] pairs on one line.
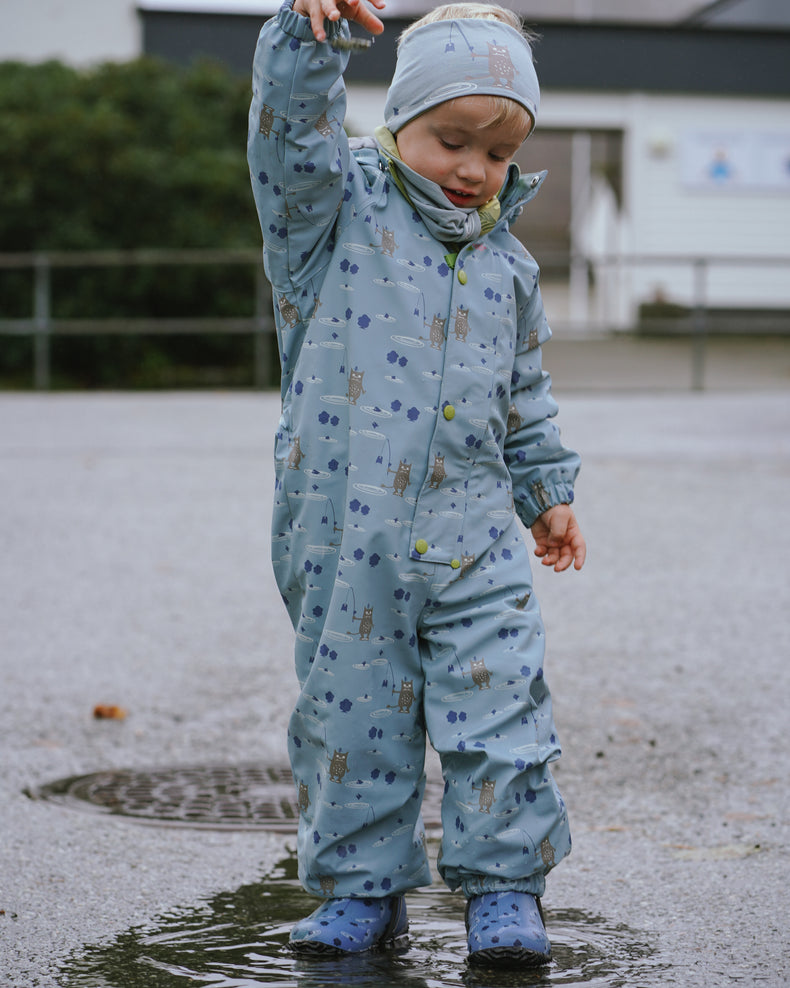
[[458, 198]]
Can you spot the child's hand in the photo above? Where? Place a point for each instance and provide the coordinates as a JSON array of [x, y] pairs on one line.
[[333, 10], [558, 539]]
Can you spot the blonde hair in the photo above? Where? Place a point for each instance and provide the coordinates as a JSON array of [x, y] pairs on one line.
[[465, 11], [503, 110]]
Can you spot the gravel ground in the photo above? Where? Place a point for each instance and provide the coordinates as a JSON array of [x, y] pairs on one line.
[[134, 570]]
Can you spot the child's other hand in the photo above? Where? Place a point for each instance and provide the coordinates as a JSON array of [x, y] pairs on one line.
[[333, 10], [558, 538]]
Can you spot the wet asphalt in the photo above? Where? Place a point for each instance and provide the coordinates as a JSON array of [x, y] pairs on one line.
[[134, 570]]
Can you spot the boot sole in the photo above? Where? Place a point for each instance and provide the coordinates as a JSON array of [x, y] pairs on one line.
[[508, 957], [315, 948]]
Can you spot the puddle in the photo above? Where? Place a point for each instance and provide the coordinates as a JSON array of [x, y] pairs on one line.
[[238, 940]]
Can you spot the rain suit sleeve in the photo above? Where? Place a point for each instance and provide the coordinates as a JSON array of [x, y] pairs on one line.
[[542, 469], [300, 167]]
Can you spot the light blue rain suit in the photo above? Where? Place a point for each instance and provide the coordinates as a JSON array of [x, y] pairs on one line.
[[415, 428]]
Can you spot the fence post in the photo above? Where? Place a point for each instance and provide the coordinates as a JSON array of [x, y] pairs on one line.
[[699, 326], [42, 327]]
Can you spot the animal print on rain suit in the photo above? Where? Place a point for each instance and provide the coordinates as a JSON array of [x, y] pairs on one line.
[[416, 426]]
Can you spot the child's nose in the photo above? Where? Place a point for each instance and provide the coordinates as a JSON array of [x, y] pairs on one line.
[[472, 168]]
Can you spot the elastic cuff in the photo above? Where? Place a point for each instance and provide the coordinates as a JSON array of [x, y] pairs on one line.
[[480, 884], [540, 497]]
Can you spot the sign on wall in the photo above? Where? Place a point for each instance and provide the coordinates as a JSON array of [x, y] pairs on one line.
[[740, 161]]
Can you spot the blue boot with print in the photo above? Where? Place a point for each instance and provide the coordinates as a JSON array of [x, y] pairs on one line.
[[505, 929], [350, 926]]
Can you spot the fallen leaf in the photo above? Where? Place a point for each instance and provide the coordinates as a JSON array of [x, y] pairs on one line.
[[108, 711]]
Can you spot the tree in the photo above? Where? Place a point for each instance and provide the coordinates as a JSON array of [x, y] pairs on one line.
[[137, 154]]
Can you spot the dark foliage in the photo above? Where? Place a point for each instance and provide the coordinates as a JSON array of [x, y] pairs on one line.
[[133, 155]]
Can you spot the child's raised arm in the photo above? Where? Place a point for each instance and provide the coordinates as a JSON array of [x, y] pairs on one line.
[[301, 167], [297, 148], [333, 10]]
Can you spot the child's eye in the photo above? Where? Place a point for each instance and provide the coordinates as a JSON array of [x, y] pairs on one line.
[[448, 145]]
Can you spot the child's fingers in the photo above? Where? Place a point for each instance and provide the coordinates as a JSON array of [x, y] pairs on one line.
[[319, 11], [574, 551], [560, 556], [359, 12], [327, 10], [548, 555], [315, 12]]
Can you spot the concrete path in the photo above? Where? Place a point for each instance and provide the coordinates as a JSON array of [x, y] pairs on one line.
[[134, 570]]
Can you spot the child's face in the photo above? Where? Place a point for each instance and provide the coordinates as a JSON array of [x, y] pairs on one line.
[[449, 146]]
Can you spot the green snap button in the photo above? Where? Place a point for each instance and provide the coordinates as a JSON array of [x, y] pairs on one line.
[[455, 563], [449, 412], [462, 276], [421, 546]]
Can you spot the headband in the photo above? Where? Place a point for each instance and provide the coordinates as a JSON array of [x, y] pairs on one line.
[[443, 60]]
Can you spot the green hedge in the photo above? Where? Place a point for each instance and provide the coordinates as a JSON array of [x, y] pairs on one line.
[[130, 155]]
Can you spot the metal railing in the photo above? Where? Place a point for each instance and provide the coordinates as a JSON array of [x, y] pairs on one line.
[[42, 325], [585, 310], [694, 318]]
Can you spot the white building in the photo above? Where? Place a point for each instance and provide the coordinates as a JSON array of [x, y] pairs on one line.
[[80, 32], [665, 125]]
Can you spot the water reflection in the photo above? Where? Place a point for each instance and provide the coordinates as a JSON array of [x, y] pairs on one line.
[[238, 940]]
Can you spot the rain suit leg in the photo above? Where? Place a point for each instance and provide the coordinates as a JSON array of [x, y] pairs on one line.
[[428, 651]]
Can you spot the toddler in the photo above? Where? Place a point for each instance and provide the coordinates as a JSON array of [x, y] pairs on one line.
[[416, 428]]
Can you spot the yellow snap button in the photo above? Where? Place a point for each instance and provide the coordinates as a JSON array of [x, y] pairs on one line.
[[449, 412], [462, 276], [421, 546], [455, 563]]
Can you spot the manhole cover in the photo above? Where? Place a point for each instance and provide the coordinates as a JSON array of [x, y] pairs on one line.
[[236, 797]]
